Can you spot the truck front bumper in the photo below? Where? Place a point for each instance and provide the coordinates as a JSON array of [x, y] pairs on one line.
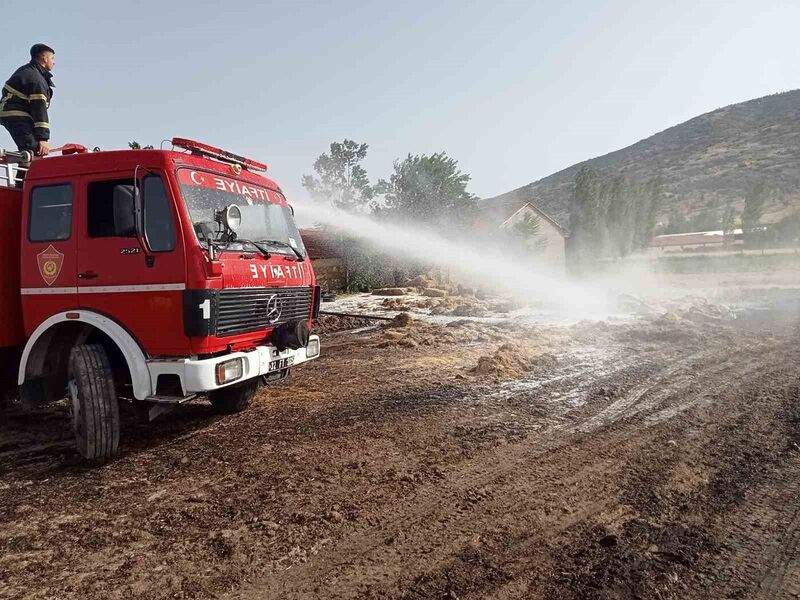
[[203, 375]]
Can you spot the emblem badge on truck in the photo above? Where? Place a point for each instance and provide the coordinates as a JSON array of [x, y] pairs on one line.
[[50, 261], [274, 309]]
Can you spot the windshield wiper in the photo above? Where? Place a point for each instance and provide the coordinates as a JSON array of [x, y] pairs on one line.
[[297, 252], [264, 251], [225, 245], [213, 238]]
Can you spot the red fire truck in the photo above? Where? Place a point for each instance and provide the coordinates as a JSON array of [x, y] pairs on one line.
[[153, 276]]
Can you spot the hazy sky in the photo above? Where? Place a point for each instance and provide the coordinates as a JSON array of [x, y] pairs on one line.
[[513, 90]]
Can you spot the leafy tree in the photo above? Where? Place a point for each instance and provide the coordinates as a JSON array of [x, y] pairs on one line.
[[340, 179], [586, 215], [612, 216], [651, 199], [630, 217], [728, 224], [620, 215], [677, 222], [754, 200], [427, 189], [786, 232], [134, 145]]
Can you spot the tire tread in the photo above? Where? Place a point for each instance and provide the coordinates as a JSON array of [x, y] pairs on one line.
[[91, 370]]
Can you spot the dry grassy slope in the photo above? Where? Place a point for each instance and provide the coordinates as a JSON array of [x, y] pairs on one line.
[[710, 158]]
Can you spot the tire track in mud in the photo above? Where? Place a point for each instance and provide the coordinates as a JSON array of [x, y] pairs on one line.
[[434, 509], [761, 550], [428, 507], [436, 526], [785, 562], [425, 534], [645, 398], [731, 506]]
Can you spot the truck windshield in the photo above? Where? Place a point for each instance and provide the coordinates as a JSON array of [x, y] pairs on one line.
[[264, 220]]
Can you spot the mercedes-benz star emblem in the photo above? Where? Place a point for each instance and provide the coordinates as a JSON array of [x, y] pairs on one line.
[[274, 309]]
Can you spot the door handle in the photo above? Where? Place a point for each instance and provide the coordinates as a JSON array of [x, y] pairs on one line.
[[87, 275]]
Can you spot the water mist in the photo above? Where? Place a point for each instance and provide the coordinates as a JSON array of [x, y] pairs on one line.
[[489, 266]]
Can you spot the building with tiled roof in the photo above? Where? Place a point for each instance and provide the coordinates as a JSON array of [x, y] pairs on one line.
[[497, 215]]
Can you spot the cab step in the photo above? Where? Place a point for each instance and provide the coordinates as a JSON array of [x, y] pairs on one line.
[[170, 399], [161, 405]]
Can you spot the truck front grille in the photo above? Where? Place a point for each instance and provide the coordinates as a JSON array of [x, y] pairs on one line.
[[239, 310]]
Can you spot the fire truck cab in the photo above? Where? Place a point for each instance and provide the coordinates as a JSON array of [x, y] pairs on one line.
[[153, 276]]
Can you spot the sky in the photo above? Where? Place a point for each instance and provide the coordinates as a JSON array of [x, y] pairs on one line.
[[514, 90]]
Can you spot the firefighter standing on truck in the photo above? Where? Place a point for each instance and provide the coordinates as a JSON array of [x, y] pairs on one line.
[[25, 100]]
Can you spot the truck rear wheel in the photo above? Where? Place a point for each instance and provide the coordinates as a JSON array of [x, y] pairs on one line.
[[234, 398], [95, 410]]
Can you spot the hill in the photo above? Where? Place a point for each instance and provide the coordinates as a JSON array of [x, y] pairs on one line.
[[705, 162]]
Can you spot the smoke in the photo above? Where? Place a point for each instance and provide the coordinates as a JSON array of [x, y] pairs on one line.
[[477, 263]]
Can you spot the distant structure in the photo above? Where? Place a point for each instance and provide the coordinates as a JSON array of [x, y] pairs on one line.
[[494, 215], [698, 241]]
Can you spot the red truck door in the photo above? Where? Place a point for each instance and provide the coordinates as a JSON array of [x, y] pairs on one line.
[[47, 265], [138, 280]]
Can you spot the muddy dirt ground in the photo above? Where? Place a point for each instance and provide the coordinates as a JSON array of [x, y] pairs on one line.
[[656, 456]]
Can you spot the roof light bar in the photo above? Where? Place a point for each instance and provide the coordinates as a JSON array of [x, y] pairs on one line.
[[218, 153]]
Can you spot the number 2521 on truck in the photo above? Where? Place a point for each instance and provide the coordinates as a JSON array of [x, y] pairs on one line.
[[153, 276]]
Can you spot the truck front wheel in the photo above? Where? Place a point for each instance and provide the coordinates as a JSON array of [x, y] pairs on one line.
[[95, 410], [234, 398]]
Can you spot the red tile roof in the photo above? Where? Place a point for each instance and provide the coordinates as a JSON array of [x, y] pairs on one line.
[[321, 243]]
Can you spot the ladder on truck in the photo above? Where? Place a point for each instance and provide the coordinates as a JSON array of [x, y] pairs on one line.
[[13, 166]]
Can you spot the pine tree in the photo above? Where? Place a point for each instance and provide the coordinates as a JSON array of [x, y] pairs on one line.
[[528, 233]]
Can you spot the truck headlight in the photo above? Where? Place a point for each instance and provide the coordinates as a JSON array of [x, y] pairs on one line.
[[312, 350], [230, 370]]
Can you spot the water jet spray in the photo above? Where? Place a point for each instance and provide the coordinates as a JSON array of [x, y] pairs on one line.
[[471, 262]]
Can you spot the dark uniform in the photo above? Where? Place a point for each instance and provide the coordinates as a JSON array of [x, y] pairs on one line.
[[23, 107]]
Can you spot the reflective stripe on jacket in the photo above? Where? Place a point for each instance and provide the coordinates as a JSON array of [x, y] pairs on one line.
[[27, 95]]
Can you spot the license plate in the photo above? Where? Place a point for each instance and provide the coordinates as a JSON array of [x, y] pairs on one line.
[[281, 363]]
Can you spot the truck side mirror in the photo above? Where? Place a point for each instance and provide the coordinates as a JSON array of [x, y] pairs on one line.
[[124, 211]]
